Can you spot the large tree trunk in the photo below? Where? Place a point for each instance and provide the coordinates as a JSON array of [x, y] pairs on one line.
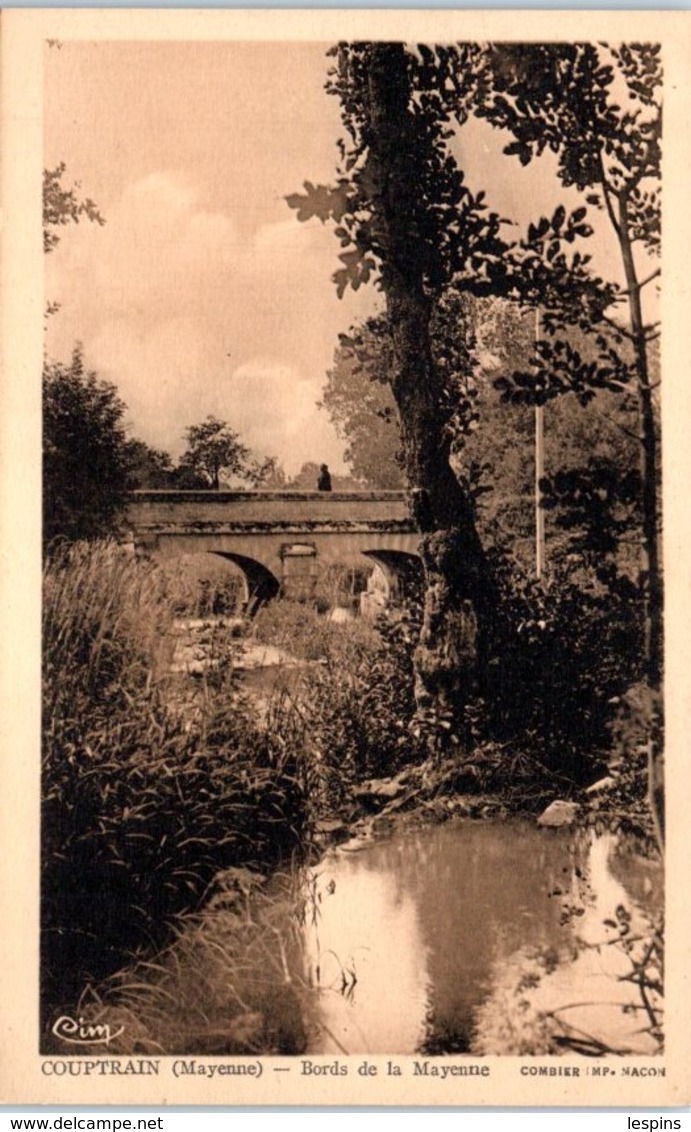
[[452, 556]]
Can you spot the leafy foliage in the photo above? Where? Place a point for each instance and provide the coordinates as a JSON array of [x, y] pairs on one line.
[[436, 214], [566, 98], [85, 453], [215, 449], [62, 206], [561, 653]]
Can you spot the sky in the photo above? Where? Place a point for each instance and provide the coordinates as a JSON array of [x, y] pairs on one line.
[[202, 294]]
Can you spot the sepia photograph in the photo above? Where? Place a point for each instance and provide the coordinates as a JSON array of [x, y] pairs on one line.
[[353, 568]]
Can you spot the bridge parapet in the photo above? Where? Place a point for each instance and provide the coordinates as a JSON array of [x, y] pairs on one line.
[[153, 509]]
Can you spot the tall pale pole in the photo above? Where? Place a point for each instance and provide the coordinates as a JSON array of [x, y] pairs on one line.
[[539, 474]]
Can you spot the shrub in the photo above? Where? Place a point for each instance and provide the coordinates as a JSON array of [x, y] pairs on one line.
[[301, 631], [559, 653], [634, 780], [356, 697], [359, 703]]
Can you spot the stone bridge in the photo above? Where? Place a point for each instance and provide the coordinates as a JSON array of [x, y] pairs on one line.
[[280, 540]]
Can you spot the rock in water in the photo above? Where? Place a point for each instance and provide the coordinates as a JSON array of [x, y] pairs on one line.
[[559, 814]]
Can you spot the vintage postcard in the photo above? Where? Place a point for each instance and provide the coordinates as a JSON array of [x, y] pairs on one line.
[[345, 558]]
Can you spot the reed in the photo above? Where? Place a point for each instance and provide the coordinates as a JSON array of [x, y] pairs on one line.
[[148, 790], [230, 982]]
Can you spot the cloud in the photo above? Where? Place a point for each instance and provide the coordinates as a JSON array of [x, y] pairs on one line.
[[177, 303], [274, 408]]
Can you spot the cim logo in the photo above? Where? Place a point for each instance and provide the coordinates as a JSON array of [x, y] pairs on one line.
[[78, 1032]]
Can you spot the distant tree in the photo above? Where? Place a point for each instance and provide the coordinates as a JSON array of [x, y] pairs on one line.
[[215, 452], [63, 206], [148, 467], [359, 393], [306, 478], [274, 476], [266, 473], [184, 478], [85, 453], [358, 398]]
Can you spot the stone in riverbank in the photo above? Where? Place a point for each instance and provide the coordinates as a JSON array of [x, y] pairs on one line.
[[376, 793], [558, 814]]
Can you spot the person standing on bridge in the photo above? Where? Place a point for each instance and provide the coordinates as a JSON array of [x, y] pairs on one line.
[[324, 481]]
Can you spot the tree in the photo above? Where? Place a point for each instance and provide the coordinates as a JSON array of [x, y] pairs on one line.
[[85, 453], [566, 98], [148, 467], [273, 475], [359, 400], [214, 448], [406, 218], [267, 473], [62, 206], [493, 453]]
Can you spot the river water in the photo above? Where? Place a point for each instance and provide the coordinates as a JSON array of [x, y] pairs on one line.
[[479, 937]]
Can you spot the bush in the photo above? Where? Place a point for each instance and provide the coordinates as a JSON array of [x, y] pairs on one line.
[[359, 703], [559, 654], [85, 453], [301, 631], [356, 695], [143, 801], [634, 779]]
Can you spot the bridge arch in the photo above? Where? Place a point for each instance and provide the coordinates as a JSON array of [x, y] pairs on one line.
[[261, 585], [402, 569]]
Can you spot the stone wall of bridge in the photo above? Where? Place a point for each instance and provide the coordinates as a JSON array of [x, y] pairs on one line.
[[280, 540], [182, 508]]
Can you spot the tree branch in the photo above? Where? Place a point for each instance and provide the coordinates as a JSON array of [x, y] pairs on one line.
[[619, 329], [649, 278], [608, 192]]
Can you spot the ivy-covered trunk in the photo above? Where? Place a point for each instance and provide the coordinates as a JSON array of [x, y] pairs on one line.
[[454, 566]]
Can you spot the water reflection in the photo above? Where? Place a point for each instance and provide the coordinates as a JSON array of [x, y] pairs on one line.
[[463, 938]]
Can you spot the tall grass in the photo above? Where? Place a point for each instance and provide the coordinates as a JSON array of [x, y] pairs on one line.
[[298, 629], [144, 799], [232, 981], [356, 698]]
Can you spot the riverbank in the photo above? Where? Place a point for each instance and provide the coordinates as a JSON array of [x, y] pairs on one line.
[[174, 794], [417, 938]]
